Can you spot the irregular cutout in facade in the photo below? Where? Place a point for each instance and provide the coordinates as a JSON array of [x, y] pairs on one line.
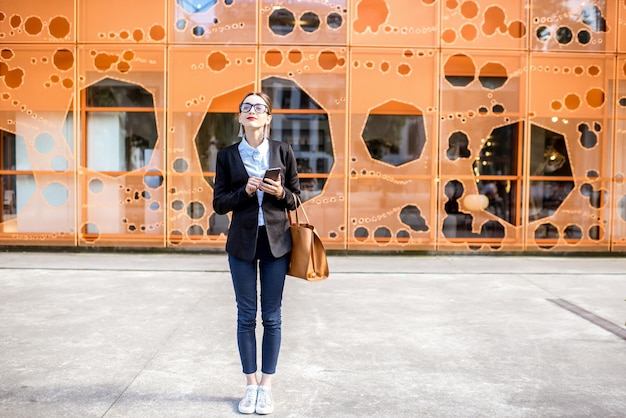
[[328, 60], [217, 61], [588, 138], [494, 20], [13, 78], [592, 17], [119, 139], [308, 132], [458, 143], [596, 198], [394, 133], [549, 158], [411, 216], [371, 14], [196, 6], [104, 61], [498, 157]]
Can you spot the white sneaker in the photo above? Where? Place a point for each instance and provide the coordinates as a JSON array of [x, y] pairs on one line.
[[264, 403], [247, 404]]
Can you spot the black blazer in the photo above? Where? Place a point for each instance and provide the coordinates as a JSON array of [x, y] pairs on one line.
[[229, 195]]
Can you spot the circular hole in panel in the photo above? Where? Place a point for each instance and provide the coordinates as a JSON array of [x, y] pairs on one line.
[[546, 231], [96, 186], [180, 165], [181, 24], [195, 210], [59, 163], [309, 22], [584, 37], [543, 33], [572, 233], [361, 234], [195, 231], [90, 232], [153, 178], [282, 22], [176, 237], [596, 233], [382, 235], [178, 205], [44, 143], [334, 20], [56, 194], [564, 35]]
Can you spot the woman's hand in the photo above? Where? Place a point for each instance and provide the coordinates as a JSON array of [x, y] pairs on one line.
[[253, 184], [273, 187]]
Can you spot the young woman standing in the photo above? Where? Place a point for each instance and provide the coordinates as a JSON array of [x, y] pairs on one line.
[[258, 239]]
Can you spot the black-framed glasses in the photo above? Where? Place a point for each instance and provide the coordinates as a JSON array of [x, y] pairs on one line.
[[258, 108]]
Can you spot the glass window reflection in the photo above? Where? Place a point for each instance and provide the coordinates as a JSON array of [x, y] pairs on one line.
[[115, 93], [395, 139], [498, 173], [301, 122], [551, 173], [121, 132]]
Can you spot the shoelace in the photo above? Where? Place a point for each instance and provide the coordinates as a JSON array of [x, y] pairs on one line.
[[250, 396], [265, 397]]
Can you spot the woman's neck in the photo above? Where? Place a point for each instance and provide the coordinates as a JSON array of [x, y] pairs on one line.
[[254, 138]]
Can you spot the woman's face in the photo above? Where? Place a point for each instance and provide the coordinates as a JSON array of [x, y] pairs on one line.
[[256, 116]]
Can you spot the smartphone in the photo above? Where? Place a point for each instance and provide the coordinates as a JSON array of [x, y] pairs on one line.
[[272, 173]]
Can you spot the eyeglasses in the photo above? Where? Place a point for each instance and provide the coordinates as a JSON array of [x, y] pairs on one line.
[[258, 108]]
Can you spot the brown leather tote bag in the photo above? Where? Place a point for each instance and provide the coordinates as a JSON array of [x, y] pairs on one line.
[[308, 256]]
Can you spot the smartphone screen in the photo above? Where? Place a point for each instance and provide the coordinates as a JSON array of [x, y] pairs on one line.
[[272, 173]]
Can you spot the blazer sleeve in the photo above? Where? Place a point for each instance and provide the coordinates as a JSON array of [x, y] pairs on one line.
[[229, 190]]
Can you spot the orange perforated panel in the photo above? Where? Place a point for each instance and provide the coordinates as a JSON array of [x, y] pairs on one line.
[[422, 125]]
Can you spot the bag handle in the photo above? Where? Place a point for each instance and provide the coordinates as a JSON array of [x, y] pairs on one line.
[[298, 205]]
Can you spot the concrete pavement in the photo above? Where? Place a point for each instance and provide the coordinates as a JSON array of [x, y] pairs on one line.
[[153, 335]]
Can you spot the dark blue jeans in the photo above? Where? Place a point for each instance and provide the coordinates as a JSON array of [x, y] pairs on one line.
[[272, 278]]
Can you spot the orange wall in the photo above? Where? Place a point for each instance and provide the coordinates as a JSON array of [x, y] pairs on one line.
[[365, 55]]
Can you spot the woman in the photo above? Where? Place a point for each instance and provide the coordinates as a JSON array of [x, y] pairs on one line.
[[258, 238]]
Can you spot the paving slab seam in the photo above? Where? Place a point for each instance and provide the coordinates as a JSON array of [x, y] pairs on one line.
[[591, 317]]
